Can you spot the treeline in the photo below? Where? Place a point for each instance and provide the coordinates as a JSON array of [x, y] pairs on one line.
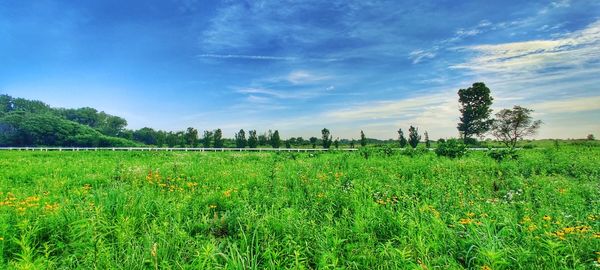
[[33, 123]]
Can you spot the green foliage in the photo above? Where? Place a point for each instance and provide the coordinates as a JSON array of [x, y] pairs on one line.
[[218, 138], [427, 141], [401, 139], [148, 210], [191, 137], [510, 126], [207, 138], [252, 139], [240, 139], [413, 137], [363, 139], [275, 140], [313, 141], [326, 138], [503, 154], [475, 110], [451, 148]]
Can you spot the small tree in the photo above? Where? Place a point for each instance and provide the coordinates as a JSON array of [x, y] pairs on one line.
[[327, 138], [363, 139], [336, 143], [240, 139], [590, 137], [218, 138], [413, 137], [252, 139], [401, 138], [352, 144], [313, 141], [275, 139], [207, 138], [510, 126], [427, 141], [475, 110], [288, 144]]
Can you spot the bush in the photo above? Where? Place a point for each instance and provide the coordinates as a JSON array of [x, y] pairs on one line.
[[451, 148], [504, 154]]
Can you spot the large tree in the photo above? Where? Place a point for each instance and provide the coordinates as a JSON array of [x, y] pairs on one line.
[[475, 110], [510, 126], [240, 139], [252, 139], [413, 137], [275, 139], [326, 137], [401, 138]]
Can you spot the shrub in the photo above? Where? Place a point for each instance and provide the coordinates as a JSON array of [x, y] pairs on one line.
[[451, 148], [504, 154]]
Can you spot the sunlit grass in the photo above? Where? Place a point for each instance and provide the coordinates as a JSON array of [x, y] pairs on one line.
[[152, 210]]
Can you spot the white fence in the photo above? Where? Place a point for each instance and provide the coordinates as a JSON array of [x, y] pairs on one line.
[[170, 149]]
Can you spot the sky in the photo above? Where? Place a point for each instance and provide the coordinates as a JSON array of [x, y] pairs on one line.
[[300, 66]]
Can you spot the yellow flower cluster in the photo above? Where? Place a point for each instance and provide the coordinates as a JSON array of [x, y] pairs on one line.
[[170, 183], [227, 193], [561, 234], [470, 219], [22, 206], [430, 208]]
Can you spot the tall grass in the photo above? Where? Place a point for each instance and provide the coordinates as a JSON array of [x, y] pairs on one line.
[[166, 210]]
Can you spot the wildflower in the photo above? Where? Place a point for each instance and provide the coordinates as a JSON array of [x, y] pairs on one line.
[[547, 218], [526, 219], [485, 267], [227, 193], [465, 221], [212, 206], [154, 250], [532, 227], [1, 238], [597, 235], [470, 214]]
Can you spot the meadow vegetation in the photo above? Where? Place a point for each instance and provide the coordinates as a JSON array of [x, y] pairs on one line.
[[370, 209]]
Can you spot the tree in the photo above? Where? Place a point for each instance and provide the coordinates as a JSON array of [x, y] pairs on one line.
[[427, 141], [218, 138], [313, 141], [401, 138], [207, 138], [352, 144], [475, 110], [326, 137], [288, 144], [336, 143], [413, 137], [262, 139], [240, 139], [509, 126], [275, 139], [363, 139], [590, 137], [191, 137], [252, 139], [146, 135]]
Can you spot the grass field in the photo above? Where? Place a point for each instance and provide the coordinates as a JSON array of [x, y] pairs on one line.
[[168, 210]]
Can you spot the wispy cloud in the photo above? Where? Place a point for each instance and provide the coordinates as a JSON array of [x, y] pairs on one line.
[[569, 106], [571, 50]]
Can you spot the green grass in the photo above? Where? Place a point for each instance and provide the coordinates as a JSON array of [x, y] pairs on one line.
[[176, 210]]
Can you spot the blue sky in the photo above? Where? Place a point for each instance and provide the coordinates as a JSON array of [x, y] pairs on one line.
[[299, 66]]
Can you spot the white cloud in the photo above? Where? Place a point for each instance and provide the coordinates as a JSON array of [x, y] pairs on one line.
[[568, 106], [251, 57], [420, 55], [571, 50]]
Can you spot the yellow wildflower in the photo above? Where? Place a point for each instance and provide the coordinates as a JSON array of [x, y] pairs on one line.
[[532, 227], [485, 267], [470, 214], [547, 218], [465, 221]]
